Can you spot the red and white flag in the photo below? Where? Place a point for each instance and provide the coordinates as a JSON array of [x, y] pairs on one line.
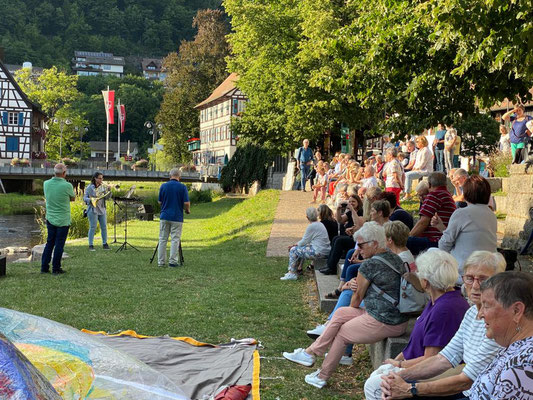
[[121, 108], [109, 100]]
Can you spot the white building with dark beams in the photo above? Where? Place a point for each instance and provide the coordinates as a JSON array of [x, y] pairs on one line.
[[22, 123], [217, 143]]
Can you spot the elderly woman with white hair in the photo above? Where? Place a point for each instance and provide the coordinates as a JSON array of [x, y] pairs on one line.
[[378, 320], [315, 243], [438, 323], [469, 345]]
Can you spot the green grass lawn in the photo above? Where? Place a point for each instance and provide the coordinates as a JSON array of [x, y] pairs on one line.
[[227, 289]]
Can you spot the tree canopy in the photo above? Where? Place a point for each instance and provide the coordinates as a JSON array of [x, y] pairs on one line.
[[141, 97], [192, 74], [377, 65]]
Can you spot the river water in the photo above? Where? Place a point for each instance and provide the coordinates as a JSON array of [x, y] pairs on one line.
[[19, 231]]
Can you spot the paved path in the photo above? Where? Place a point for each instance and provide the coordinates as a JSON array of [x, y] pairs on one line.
[[289, 223]]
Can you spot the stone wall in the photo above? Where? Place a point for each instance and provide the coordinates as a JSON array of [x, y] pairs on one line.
[[519, 220]]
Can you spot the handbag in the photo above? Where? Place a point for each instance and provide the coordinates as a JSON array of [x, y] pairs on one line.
[[413, 298]]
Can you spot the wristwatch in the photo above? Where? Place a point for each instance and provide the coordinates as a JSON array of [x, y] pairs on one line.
[[414, 390]]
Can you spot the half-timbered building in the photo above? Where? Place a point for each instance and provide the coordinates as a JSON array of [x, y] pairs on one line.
[[22, 123]]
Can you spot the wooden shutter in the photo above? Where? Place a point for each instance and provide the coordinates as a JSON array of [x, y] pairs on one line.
[[4, 118], [21, 119]]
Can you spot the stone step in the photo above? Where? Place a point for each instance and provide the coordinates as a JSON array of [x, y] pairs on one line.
[[390, 347], [326, 284], [501, 204]]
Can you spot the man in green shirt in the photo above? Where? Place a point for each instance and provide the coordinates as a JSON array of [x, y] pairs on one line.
[[58, 194]]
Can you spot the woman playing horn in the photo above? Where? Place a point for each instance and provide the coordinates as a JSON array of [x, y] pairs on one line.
[[95, 197]]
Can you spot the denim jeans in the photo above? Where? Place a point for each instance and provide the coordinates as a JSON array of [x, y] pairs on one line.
[[304, 171], [166, 228], [439, 155], [410, 176], [93, 220], [57, 236], [418, 244], [448, 160]]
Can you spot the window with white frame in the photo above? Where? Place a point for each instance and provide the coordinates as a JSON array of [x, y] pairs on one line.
[[13, 118]]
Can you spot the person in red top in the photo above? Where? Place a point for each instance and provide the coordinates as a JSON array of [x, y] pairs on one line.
[[438, 202]]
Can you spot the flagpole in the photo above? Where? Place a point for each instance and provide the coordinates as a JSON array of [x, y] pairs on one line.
[[107, 138], [119, 126]]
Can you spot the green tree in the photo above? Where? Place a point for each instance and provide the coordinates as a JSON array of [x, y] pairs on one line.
[[66, 142], [479, 134], [192, 74], [52, 90], [55, 91], [491, 43], [141, 97]]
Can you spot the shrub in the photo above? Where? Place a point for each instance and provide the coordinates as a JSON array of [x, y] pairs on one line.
[[248, 164], [201, 196], [69, 162], [140, 164], [79, 226], [153, 201], [499, 163]]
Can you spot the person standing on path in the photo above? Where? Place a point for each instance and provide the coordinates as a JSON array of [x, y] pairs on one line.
[[174, 199], [58, 194], [304, 161]]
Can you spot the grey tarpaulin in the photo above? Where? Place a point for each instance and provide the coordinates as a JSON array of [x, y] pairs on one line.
[[200, 371]]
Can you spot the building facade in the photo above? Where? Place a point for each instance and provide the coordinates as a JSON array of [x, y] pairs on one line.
[[152, 69], [22, 123], [88, 63], [217, 142], [126, 149]]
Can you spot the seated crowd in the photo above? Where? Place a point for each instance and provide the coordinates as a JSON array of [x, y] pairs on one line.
[[473, 338]]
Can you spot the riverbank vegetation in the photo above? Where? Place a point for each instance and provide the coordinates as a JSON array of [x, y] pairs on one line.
[[18, 204], [226, 289]]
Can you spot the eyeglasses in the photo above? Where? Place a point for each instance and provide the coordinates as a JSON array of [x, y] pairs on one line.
[[360, 245], [469, 279]]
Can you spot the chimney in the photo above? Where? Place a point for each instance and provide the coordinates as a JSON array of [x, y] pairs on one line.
[[1, 54]]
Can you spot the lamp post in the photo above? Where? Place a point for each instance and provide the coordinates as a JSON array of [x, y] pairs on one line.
[[62, 123], [82, 130], [154, 130]]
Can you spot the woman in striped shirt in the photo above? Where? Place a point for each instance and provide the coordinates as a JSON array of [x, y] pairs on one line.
[[469, 345]]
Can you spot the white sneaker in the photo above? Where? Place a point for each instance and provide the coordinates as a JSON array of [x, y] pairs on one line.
[[299, 356], [345, 360], [289, 276], [314, 380], [319, 330]]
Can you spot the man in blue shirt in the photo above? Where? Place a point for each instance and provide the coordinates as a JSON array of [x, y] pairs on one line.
[[304, 161], [439, 147], [174, 199]]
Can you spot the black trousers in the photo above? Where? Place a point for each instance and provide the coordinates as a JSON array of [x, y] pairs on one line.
[[339, 247]]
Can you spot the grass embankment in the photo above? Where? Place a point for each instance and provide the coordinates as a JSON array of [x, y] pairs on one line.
[[17, 204], [227, 288]]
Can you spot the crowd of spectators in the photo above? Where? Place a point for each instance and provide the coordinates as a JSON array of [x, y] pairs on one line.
[[474, 337]]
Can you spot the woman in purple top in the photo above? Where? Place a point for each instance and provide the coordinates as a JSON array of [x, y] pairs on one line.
[[438, 272], [519, 133]]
